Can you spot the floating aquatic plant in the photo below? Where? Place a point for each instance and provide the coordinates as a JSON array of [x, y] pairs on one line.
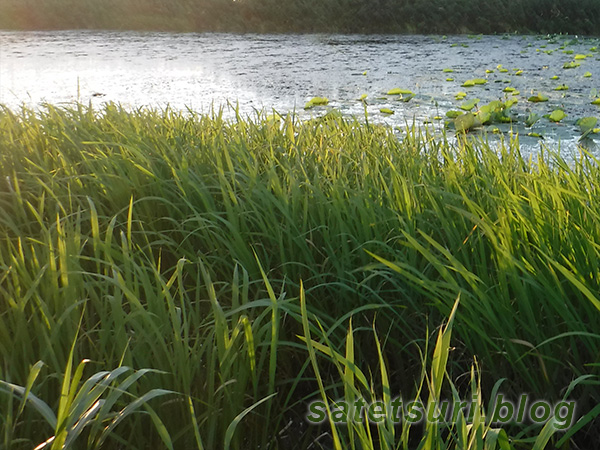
[[386, 111], [562, 87], [473, 82], [488, 112], [468, 106], [587, 74], [531, 119], [580, 57], [538, 98], [453, 114], [316, 101], [586, 126], [464, 122], [586, 123], [556, 116], [448, 70], [399, 91], [571, 65], [536, 135], [460, 95]]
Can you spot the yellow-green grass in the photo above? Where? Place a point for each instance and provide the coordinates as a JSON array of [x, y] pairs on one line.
[[178, 242]]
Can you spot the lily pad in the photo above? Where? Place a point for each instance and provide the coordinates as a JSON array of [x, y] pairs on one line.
[[449, 79], [557, 115], [587, 74], [460, 95], [399, 91], [316, 101], [448, 70], [453, 114], [480, 81], [468, 83], [555, 77], [571, 65], [580, 57], [587, 124], [538, 98], [562, 87], [464, 122], [468, 106], [490, 112], [596, 102], [386, 111], [536, 135]]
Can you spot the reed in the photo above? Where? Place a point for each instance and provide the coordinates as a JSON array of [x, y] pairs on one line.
[[201, 246]]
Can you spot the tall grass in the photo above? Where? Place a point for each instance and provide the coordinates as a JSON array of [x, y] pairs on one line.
[[176, 242], [350, 16]]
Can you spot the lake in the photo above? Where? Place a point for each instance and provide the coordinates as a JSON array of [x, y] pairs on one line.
[[283, 72]]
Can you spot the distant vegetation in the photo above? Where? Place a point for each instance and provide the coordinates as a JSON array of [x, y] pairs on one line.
[[351, 16]]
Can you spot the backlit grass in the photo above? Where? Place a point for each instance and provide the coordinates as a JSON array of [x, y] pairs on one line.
[[178, 242]]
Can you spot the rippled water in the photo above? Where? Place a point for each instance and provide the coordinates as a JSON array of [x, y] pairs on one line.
[[284, 71]]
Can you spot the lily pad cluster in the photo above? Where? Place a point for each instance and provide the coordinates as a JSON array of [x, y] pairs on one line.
[[495, 111]]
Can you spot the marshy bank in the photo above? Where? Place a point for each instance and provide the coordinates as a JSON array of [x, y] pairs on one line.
[[395, 80], [206, 248]]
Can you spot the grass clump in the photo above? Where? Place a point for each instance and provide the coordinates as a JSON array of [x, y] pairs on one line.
[[177, 242]]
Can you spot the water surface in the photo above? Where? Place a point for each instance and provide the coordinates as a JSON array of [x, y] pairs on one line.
[[284, 71]]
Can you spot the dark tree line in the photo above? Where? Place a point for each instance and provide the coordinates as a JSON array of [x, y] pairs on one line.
[[348, 16]]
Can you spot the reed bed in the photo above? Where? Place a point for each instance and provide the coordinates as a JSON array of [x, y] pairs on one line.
[[201, 266], [332, 16]]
